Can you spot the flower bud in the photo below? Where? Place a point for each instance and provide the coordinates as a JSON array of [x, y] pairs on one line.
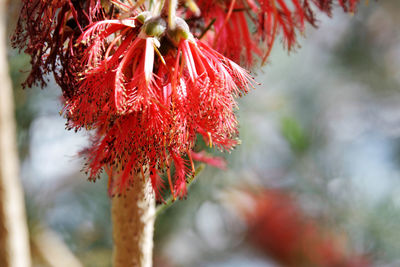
[[142, 17], [180, 31], [154, 27]]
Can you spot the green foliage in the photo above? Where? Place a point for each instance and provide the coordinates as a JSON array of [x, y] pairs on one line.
[[294, 134]]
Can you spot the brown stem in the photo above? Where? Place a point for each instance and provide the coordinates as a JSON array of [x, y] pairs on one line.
[[133, 218], [14, 245]]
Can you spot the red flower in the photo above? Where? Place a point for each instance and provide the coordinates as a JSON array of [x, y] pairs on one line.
[[149, 94], [228, 23], [277, 227], [269, 18], [47, 30]]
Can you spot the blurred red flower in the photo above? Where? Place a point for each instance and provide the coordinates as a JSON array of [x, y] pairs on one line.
[[278, 227]]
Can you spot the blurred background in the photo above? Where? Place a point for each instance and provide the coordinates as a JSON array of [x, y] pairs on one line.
[[315, 182]]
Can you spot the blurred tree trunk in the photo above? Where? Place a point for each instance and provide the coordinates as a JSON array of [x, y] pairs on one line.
[[133, 218], [14, 244], [50, 249]]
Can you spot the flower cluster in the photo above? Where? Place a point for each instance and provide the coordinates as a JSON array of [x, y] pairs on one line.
[[149, 91], [150, 77]]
